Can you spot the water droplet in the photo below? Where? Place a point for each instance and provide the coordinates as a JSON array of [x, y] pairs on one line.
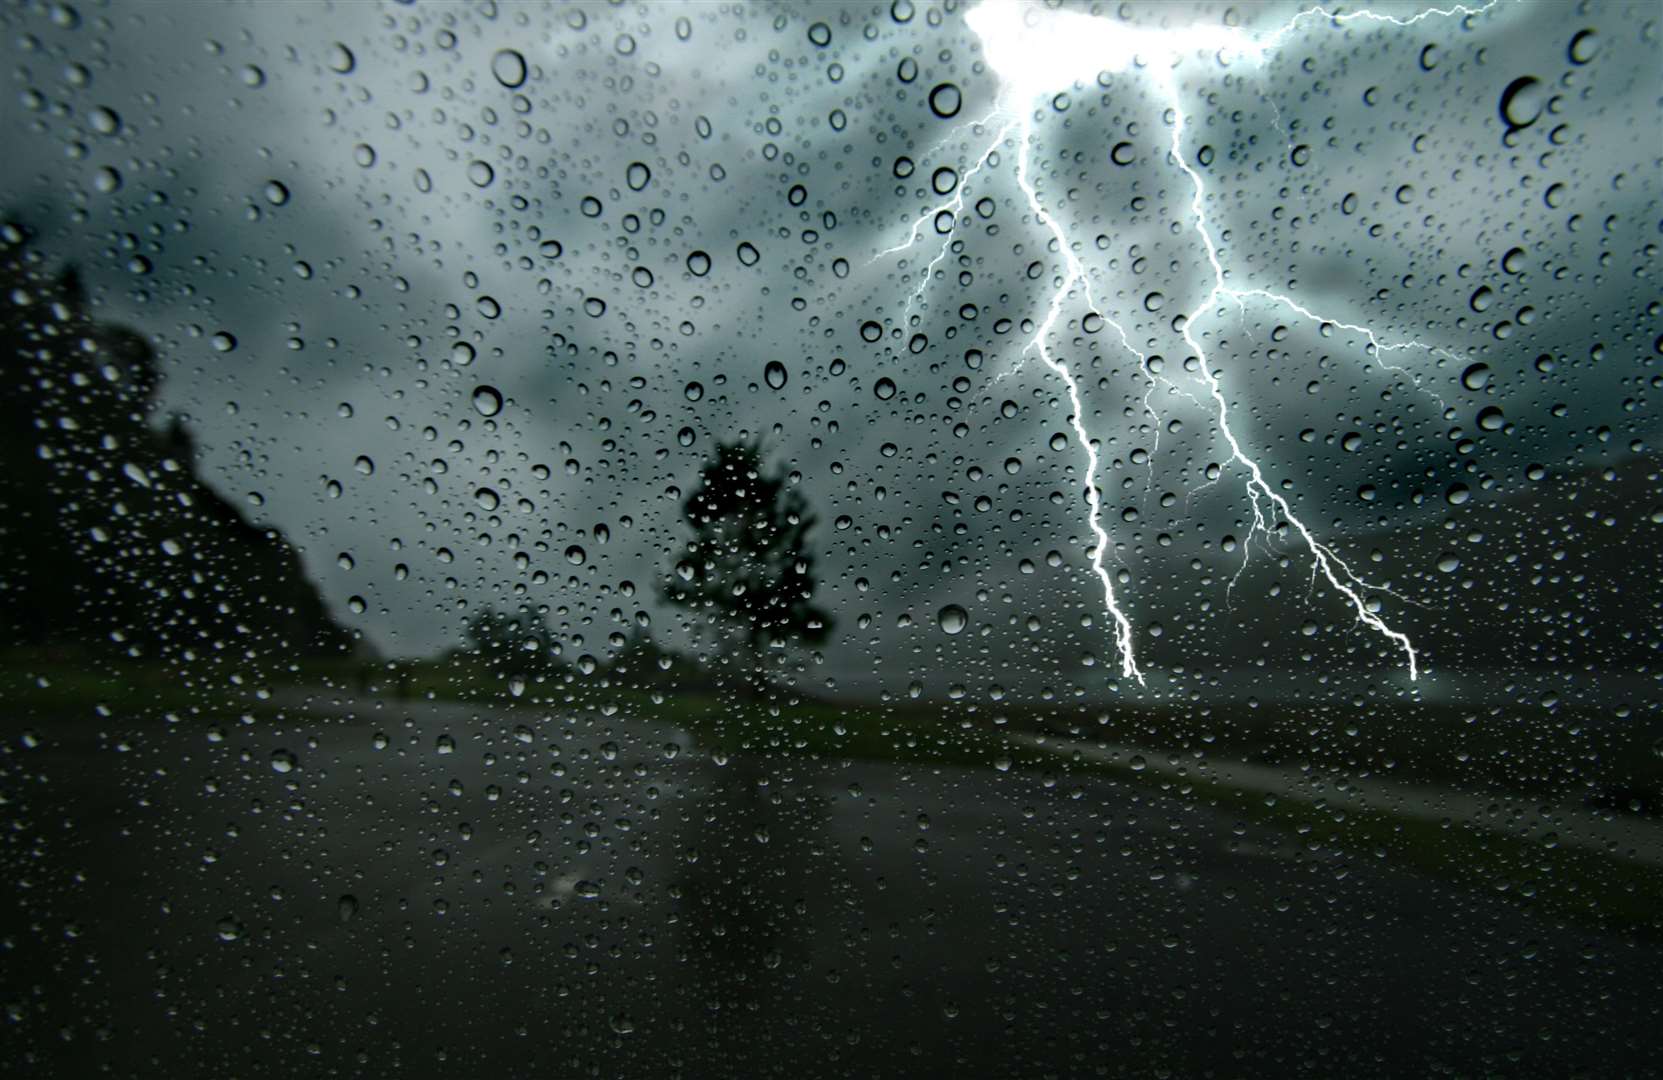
[[341, 60], [480, 174], [576, 555], [884, 388], [693, 390], [638, 176], [223, 342], [509, 68], [698, 264], [820, 34], [1491, 418], [487, 499], [748, 254], [346, 908], [462, 354], [1522, 102], [283, 761], [945, 100], [1476, 377], [774, 375], [487, 401], [952, 619], [1584, 47]]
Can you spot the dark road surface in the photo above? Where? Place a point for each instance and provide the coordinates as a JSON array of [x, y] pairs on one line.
[[595, 897]]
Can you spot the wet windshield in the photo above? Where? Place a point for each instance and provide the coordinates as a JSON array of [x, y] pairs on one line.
[[906, 539]]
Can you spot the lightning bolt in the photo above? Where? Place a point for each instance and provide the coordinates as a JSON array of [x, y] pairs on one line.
[[1076, 273], [953, 206], [1053, 50]]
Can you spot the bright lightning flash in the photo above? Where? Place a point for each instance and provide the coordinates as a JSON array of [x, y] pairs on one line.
[[1037, 53]]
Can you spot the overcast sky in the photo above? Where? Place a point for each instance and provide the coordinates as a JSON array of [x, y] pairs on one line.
[[615, 216]]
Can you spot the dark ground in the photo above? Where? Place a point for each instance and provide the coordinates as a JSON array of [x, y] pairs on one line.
[[184, 909]]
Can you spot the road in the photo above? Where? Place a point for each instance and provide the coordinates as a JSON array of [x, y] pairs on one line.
[[1626, 836], [365, 889]]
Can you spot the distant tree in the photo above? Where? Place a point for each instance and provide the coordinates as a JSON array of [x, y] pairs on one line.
[[747, 570], [522, 637]]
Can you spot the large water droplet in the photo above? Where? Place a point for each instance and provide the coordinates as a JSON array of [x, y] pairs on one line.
[[509, 68], [1522, 101], [341, 59], [952, 619], [946, 100]]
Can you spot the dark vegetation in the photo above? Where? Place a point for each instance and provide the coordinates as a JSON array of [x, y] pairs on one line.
[[111, 546]]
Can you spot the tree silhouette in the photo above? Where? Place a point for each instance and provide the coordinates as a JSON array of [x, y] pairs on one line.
[[520, 639], [747, 570], [110, 541]]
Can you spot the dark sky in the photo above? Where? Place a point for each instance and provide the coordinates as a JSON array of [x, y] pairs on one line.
[[389, 207]]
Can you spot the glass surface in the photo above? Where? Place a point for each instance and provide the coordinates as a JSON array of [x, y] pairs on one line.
[[888, 539]]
